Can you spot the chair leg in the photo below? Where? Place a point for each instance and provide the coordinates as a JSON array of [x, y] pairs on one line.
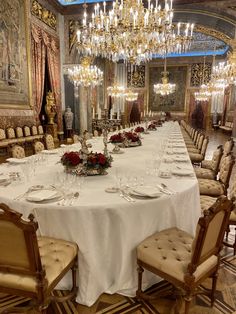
[[227, 232], [234, 245], [213, 288], [139, 292], [188, 299]]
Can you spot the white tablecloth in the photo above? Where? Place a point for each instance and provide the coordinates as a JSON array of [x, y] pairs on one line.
[[106, 227]]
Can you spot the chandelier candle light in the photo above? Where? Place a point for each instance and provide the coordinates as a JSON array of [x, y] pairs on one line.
[[85, 74], [165, 88], [131, 32], [204, 94]]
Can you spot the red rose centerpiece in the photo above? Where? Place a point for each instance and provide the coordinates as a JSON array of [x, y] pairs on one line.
[[132, 139], [71, 159], [92, 164], [152, 127], [117, 139], [139, 129]]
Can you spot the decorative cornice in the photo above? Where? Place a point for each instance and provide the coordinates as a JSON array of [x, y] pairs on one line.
[[214, 33], [44, 15]]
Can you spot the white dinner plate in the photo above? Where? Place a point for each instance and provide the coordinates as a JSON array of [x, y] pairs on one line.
[[179, 151], [145, 191], [181, 158], [44, 195]]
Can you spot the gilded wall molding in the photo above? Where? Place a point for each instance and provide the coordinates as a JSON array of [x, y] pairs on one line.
[[214, 33], [200, 74], [44, 15]]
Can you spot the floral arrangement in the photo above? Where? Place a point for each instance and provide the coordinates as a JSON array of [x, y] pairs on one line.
[[95, 163], [71, 159], [139, 129], [117, 138], [98, 161], [152, 127], [132, 137]]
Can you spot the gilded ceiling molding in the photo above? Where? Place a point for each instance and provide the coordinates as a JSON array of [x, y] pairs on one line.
[[44, 15], [214, 33]]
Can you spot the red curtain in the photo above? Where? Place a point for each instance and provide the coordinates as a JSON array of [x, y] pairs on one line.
[[49, 47], [38, 65]]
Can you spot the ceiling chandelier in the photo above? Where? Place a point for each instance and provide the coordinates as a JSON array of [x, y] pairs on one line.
[[85, 74], [165, 88], [203, 94], [130, 95], [131, 32], [116, 91]]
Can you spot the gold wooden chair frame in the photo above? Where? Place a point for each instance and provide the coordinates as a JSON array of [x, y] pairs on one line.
[[32, 266], [184, 261]]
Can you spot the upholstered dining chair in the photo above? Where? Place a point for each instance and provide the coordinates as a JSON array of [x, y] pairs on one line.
[[18, 151], [20, 135], [49, 142], [219, 186], [207, 201], [32, 266], [38, 147], [211, 171], [227, 148], [11, 135], [197, 158], [196, 148], [182, 260], [28, 136]]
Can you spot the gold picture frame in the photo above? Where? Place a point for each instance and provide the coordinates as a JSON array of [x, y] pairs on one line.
[[15, 60]]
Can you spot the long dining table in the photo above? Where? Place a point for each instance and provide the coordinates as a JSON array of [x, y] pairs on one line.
[[107, 226]]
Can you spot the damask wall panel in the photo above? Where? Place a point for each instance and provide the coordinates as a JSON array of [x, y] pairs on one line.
[[15, 71], [200, 74], [172, 102]]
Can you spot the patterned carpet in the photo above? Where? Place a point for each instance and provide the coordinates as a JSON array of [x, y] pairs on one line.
[[117, 304]]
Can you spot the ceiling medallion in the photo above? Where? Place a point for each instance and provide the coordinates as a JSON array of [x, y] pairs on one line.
[[131, 32]]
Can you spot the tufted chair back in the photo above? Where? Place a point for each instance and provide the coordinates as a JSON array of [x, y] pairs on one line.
[[40, 130], [27, 131], [38, 147], [200, 141], [228, 146], [22, 256], [215, 162], [19, 132], [18, 151], [34, 130], [2, 134], [210, 232], [226, 169], [204, 146], [49, 141], [196, 137], [11, 133]]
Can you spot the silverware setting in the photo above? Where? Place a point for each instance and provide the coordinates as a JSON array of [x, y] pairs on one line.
[[126, 196]]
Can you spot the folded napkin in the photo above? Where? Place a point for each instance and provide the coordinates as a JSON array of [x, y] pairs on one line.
[[41, 195], [181, 158], [4, 178], [179, 151], [17, 160], [49, 152], [146, 191], [182, 172]]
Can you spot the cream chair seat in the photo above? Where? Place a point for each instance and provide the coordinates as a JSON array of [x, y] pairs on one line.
[[184, 261], [205, 173], [32, 266]]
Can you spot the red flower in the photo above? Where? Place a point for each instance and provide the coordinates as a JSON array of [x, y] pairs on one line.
[[71, 159], [101, 159]]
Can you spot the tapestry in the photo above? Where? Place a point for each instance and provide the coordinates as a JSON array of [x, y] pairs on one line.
[[174, 101], [14, 55]]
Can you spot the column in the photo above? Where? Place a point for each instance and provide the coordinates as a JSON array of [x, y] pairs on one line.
[[232, 58], [83, 109]]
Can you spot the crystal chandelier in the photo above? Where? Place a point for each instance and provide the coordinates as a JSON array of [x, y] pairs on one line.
[[203, 94], [116, 91], [165, 88], [225, 73], [85, 74], [131, 95], [131, 32]]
